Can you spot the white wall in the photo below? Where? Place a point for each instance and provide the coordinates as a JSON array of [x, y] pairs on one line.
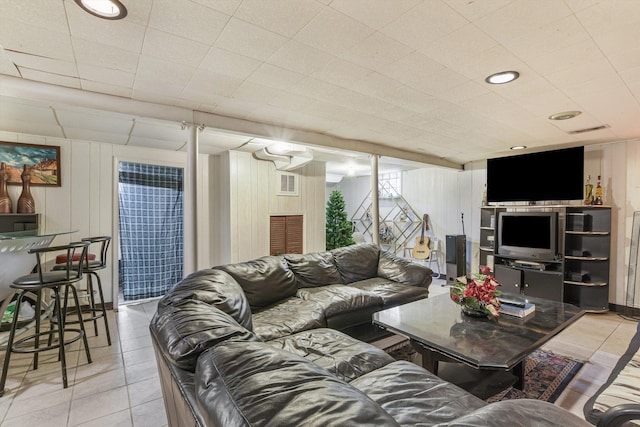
[[87, 199]]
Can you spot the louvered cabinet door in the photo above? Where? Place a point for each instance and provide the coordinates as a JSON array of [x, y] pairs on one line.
[[285, 234]]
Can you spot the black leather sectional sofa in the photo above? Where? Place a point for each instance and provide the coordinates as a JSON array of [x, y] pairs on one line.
[[259, 344]]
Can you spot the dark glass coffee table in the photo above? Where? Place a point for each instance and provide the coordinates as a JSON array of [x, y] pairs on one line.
[[439, 331]]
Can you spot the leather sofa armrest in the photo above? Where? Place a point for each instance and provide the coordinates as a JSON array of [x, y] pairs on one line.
[[618, 415], [404, 270]]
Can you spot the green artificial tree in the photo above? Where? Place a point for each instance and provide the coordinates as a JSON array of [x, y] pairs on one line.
[[338, 226]]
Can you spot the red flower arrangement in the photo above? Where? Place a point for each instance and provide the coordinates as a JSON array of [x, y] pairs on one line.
[[477, 295]]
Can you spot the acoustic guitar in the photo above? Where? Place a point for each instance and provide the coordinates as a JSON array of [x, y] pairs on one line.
[[421, 249]]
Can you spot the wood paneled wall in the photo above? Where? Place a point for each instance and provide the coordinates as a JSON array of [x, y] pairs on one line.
[[248, 198]]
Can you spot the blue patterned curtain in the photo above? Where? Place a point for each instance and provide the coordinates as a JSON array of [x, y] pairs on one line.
[[151, 229]]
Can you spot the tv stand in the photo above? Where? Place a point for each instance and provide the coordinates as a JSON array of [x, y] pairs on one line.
[[580, 273]]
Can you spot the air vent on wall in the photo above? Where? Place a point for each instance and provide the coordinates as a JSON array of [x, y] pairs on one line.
[[287, 184], [588, 129]]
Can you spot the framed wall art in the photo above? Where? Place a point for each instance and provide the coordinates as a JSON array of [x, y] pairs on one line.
[[42, 160]]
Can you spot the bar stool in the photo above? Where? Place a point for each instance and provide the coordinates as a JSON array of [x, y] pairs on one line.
[[91, 265], [37, 283]]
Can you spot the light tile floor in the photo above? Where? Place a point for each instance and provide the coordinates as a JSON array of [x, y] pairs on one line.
[[121, 386]]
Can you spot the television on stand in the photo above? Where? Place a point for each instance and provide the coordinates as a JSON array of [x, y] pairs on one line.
[[556, 175], [528, 235]]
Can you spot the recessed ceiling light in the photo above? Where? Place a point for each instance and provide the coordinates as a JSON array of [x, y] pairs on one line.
[[518, 147], [565, 115], [502, 77], [107, 9]]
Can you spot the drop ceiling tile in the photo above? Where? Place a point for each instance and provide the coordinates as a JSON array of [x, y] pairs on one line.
[[333, 32], [54, 79], [160, 130], [458, 46], [301, 58], [605, 17], [424, 23], [100, 55], [205, 84], [93, 120], [21, 37], [439, 82], [228, 7], [137, 11], [160, 144], [561, 34], [235, 108], [228, 63], [315, 88], [284, 17], [375, 15], [109, 89], [469, 89], [34, 62], [93, 135], [204, 24], [256, 93], [249, 40], [291, 101], [106, 76], [341, 72], [169, 47], [518, 19], [156, 92], [21, 109], [160, 70], [48, 15], [276, 77], [474, 10], [377, 50], [412, 68], [6, 64], [121, 34], [30, 127], [596, 71]]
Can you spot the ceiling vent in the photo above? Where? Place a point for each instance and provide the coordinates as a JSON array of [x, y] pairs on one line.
[[287, 184], [588, 129]]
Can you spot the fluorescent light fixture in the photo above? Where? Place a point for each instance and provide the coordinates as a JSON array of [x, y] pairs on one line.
[[565, 115], [502, 77], [518, 147], [106, 9]]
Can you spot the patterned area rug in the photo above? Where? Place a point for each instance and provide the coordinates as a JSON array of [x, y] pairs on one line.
[[546, 374]]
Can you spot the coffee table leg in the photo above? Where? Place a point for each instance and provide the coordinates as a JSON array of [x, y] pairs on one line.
[[518, 371], [429, 358]]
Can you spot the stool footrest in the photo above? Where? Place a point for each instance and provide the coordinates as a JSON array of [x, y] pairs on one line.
[[17, 349]]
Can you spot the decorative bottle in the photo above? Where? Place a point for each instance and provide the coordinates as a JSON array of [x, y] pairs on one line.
[[598, 197], [26, 204], [6, 205], [588, 191]]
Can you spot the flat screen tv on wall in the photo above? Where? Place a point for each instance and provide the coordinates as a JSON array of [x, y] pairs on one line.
[[556, 175]]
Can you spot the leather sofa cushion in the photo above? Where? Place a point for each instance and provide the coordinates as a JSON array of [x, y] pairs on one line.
[[215, 288], [185, 330], [392, 293], [345, 357], [264, 280], [255, 384], [288, 317], [520, 412], [314, 269], [357, 262], [414, 396], [337, 299], [404, 270]]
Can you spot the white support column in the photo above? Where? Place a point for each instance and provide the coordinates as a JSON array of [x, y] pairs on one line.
[[191, 203], [375, 207]]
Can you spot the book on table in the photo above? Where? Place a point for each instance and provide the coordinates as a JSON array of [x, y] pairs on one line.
[[516, 310]]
